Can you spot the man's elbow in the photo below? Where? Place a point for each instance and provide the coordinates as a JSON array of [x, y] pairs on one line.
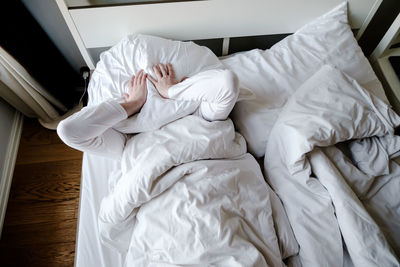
[[67, 132]]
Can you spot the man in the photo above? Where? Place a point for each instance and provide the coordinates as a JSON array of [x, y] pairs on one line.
[[90, 130]]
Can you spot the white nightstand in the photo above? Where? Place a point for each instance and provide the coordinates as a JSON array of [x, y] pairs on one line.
[[389, 47]]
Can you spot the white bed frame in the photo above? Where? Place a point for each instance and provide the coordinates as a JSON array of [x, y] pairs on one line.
[[95, 27], [101, 27], [380, 62]]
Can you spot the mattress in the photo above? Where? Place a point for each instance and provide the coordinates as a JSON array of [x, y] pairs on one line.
[[96, 170], [94, 186]]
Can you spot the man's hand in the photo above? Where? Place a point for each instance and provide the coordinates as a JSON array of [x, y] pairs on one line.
[[137, 94], [165, 78]]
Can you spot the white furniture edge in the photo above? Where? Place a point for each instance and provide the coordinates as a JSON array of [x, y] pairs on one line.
[[380, 61], [91, 27], [75, 34], [389, 74], [382, 49], [9, 164], [368, 18]]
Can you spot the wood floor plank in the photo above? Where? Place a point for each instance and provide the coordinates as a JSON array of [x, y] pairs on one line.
[[35, 135], [18, 214], [44, 189], [46, 153], [45, 181], [48, 171], [41, 218], [48, 256], [76, 211], [42, 145], [34, 234], [56, 191]]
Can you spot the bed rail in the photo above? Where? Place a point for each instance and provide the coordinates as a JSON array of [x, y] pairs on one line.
[[104, 26]]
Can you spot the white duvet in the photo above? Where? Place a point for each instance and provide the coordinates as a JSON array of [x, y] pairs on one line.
[[189, 194], [340, 207]]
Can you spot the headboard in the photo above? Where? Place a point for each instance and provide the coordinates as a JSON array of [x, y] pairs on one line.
[[96, 27]]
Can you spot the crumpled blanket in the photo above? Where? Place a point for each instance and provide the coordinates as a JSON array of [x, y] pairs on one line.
[[329, 159], [189, 194]]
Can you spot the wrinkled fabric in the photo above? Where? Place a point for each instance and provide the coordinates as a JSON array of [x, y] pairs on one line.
[[190, 194], [322, 190], [104, 128], [209, 90], [273, 75], [91, 130]]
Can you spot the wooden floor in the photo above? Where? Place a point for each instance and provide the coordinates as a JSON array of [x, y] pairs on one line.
[[41, 219]]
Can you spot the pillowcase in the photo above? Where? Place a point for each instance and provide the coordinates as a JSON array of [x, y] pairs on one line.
[[133, 53], [274, 74]]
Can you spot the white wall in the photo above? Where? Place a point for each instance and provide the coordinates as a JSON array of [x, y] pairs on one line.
[[50, 19], [7, 114], [10, 133]]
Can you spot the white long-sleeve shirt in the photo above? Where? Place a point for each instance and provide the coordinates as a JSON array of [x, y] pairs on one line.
[[91, 129]]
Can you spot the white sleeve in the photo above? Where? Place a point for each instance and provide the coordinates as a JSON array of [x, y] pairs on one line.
[[217, 90], [90, 130]]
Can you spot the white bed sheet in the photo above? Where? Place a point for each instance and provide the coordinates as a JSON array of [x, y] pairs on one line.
[[94, 186]]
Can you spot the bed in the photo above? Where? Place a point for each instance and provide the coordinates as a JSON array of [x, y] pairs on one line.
[[310, 109]]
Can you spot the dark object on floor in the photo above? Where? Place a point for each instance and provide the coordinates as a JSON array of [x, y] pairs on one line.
[[395, 62]]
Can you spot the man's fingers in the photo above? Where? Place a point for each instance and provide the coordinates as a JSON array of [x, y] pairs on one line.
[[136, 78], [157, 71], [154, 81], [163, 69], [143, 80], [139, 77], [132, 80], [171, 70]]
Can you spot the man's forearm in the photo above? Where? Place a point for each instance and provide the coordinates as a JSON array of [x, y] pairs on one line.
[[132, 107]]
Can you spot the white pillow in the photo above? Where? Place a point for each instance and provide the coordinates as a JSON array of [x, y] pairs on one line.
[[136, 52], [274, 74]]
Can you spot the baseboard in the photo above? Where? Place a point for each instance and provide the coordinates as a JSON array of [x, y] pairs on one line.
[[9, 164]]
